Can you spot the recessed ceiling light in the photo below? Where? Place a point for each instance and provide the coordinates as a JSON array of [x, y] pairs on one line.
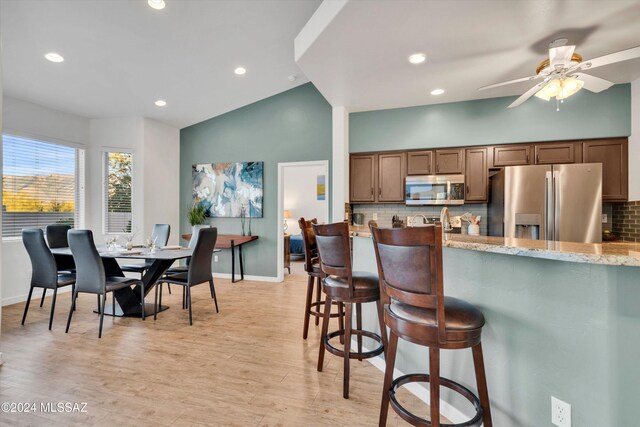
[[417, 58], [437, 92], [161, 103], [54, 57], [156, 4], [240, 71]]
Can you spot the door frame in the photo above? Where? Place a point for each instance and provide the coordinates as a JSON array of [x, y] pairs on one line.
[[280, 236]]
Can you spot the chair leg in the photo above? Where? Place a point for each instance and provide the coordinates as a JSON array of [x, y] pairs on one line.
[[325, 329], [155, 303], [307, 307], [71, 310], [73, 302], [184, 297], [44, 294], [53, 307], [481, 382], [347, 349], [113, 304], [383, 328], [142, 296], [169, 288], [26, 307], [359, 327], [160, 300], [434, 383], [189, 304], [98, 296], [388, 377], [318, 295], [104, 300], [341, 320], [213, 292]]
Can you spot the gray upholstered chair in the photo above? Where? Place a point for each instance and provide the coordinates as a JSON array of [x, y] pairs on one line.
[[56, 235], [199, 270], [90, 275], [44, 270], [161, 233]]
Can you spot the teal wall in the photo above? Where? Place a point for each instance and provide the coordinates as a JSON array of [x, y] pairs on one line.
[[288, 127], [553, 328], [488, 121]]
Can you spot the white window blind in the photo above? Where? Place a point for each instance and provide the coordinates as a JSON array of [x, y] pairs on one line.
[[40, 182], [117, 192]]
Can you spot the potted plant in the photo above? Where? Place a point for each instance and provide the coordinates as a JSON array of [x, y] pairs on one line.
[[196, 214]]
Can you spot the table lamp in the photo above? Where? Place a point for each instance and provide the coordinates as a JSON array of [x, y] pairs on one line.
[[287, 215]]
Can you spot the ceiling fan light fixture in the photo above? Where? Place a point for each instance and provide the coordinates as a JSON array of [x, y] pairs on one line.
[[560, 89]]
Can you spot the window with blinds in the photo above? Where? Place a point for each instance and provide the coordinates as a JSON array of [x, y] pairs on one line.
[[40, 184], [117, 192]]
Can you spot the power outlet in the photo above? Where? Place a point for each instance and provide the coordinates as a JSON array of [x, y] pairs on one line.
[[375, 216], [604, 218], [215, 258], [560, 413]]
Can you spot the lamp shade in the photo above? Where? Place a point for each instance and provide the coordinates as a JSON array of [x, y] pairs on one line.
[[287, 214]]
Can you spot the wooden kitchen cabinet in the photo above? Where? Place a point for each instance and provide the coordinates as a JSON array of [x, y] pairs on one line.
[[557, 153], [391, 173], [613, 154], [511, 155], [362, 182], [420, 163], [450, 161], [476, 175]]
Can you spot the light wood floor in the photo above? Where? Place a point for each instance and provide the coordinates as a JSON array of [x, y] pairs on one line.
[[246, 366]]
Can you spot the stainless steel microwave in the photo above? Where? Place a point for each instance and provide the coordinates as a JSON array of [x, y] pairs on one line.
[[434, 190]]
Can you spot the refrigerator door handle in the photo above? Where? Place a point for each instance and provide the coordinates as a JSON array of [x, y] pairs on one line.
[[548, 210], [556, 202]]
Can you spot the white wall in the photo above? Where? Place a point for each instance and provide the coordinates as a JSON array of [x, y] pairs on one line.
[[300, 196], [634, 143], [156, 151]]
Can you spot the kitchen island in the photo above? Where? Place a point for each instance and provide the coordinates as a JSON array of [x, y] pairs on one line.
[[562, 319]]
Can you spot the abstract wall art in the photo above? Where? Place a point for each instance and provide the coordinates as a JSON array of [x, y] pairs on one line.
[[229, 190]]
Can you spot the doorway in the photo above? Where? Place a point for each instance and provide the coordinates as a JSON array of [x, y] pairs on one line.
[[303, 191]]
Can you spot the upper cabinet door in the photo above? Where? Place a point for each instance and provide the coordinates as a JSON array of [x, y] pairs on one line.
[[420, 163], [476, 172], [391, 173], [362, 170], [549, 154], [514, 155], [613, 155], [450, 161]]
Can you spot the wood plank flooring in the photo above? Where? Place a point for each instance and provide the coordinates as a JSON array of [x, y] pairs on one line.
[[245, 366]]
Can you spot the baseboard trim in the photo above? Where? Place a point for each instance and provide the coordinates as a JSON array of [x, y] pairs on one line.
[[247, 277], [37, 294], [446, 409]]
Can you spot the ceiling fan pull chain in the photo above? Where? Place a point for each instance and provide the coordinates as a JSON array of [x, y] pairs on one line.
[[557, 105]]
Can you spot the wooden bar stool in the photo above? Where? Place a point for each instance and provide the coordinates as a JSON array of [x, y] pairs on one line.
[[349, 287], [410, 270], [312, 267]]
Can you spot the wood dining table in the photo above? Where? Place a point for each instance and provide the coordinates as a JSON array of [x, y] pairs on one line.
[[129, 300]]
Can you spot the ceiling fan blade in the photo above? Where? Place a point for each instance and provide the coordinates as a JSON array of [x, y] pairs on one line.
[[612, 58], [592, 83], [528, 94], [523, 79], [560, 55]]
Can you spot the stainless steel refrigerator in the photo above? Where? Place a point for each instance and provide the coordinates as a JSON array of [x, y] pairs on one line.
[[558, 202]]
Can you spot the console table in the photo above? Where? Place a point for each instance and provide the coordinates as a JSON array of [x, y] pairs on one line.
[[231, 241]]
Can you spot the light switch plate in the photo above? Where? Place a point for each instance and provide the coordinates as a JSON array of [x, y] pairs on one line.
[[560, 413], [604, 218], [375, 216]]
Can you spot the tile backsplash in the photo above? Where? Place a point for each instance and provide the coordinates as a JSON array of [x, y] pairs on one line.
[[387, 211], [626, 221]]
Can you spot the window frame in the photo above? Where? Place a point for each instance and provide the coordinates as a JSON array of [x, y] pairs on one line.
[[105, 184]]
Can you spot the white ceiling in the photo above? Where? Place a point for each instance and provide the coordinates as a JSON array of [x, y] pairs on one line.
[[121, 56], [356, 52]]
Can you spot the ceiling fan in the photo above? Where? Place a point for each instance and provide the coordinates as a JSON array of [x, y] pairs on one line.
[[563, 74]]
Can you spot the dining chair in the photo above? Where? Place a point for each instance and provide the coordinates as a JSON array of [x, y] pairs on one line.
[[44, 272], [161, 234], [56, 236], [199, 270], [91, 277]]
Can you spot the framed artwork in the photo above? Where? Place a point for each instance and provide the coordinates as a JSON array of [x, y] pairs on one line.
[[229, 190], [321, 188]]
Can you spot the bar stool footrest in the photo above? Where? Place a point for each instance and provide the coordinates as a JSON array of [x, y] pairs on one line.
[[476, 421], [320, 314], [354, 354]]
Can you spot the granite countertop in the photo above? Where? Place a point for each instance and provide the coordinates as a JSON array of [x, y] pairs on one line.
[[609, 253]]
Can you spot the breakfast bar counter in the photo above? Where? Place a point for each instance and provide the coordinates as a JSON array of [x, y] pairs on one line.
[[562, 319]]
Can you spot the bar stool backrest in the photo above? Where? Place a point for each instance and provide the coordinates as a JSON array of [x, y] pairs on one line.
[[200, 265], [90, 275], [57, 235], [161, 233], [44, 271], [410, 267], [309, 243], [334, 248]]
